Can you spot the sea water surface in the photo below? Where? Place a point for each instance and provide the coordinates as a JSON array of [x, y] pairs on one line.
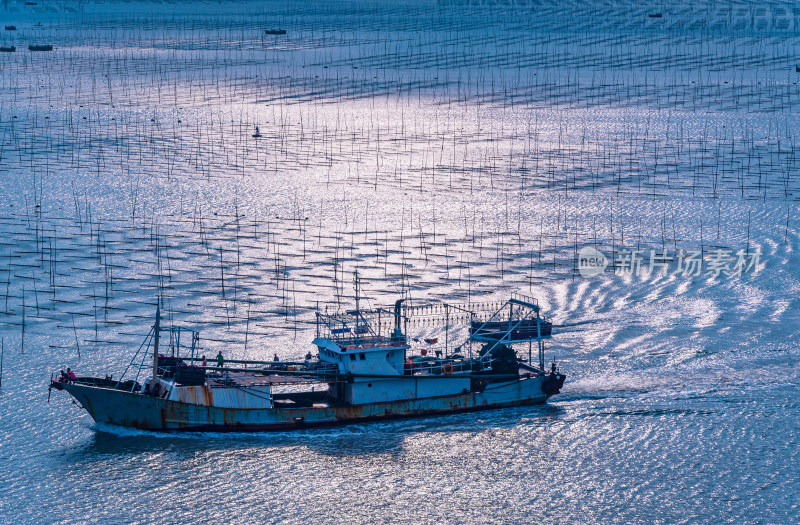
[[447, 151]]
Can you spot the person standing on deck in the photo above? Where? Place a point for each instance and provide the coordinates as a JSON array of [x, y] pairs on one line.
[[220, 359], [205, 363], [71, 374], [276, 358]]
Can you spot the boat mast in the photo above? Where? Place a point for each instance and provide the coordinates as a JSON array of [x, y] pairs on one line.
[[358, 310], [539, 341], [156, 330], [446, 329]]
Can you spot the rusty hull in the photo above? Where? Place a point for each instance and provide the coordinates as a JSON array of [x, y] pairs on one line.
[[142, 411]]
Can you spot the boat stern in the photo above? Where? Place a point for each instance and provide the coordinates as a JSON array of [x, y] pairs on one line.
[[553, 382]]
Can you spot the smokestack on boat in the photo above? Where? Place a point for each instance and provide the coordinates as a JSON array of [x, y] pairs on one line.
[[398, 333]]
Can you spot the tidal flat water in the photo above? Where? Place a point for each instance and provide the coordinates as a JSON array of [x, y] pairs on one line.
[[453, 151]]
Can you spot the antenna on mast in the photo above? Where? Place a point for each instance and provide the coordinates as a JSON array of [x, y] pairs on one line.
[[358, 309]]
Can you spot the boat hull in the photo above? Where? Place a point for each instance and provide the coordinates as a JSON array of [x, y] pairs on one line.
[[127, 409]]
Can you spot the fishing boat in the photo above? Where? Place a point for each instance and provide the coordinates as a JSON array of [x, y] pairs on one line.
[[365, 369], [7, 49], [40, 48]]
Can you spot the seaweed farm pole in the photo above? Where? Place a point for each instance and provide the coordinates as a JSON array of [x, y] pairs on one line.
[[748, 232], [786, 231], [2, 352], [22, 343], [75, 331]]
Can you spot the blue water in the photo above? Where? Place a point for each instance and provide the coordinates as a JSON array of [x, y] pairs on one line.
[[688, 445], [446, 151]]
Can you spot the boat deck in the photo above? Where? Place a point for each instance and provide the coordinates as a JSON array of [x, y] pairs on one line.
[[251, 379]]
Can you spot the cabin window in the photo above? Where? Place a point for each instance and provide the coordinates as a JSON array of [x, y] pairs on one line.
[[362, 356], [352, 357]]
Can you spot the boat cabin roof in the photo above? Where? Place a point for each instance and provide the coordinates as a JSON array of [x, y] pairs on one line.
[[362, 344]]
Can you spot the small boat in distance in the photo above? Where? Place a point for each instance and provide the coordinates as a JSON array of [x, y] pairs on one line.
[[11, 28], [274, 31], [40, 48], [365, 369], [7, 49]]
